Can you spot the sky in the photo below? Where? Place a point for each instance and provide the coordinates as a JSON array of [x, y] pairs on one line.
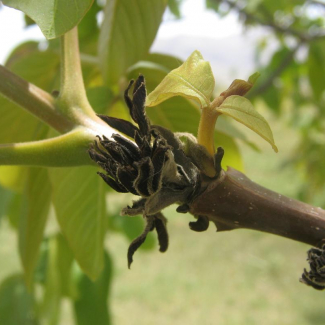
[[12, 31]]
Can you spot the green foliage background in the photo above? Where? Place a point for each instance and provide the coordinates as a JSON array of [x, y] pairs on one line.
[[62, 215]]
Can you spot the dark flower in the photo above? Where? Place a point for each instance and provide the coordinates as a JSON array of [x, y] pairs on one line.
[[316, 276], [153, 167]]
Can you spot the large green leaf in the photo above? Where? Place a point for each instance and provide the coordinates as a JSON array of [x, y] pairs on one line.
[[54, 17], [33, 219], [78, 197], [5, 197], [241, 109], [127, 32], [17, 306], [54, 272], [49, 309], [316, 68], [193, 80], [168, 61], [91, 304]]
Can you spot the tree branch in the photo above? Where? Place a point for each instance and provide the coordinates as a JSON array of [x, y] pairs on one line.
[[304, 37], [233, 201], [72, 99], [70, 149], [33, 99], [275, 73]]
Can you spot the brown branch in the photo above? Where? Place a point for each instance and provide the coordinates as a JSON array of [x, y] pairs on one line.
[[33, 99], [233, 201], [303, 37]]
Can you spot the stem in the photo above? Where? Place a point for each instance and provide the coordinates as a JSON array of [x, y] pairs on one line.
[[207, 124], [233, 201], [72, 96], [33, 99], [69, 149]]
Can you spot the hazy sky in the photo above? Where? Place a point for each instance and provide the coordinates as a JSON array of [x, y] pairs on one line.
[[196, 21]]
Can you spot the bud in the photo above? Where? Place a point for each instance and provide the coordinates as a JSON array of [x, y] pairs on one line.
[[241, 87]]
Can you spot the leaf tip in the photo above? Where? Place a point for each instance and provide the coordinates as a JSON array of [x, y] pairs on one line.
[[275, 148], [252, 79]]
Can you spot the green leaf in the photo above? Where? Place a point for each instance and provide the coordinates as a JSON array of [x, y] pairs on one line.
[[56, 257], [173, 6], [17, 306], [5, 197], [241, 109], [177, 114], [41, 68], [227, 127], [316, 69], [100, 98], [78, 197], [33, 219], [127, 32], [232, 157], [13, 177], [49, 309], [54, 17], [91, 305], [168, 61], [192, 80], [14, 210]]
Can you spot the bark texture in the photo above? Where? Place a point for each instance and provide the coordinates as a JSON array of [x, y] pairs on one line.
[[233, 201]]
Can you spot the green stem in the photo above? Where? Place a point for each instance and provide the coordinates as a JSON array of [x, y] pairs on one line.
[[65, 150], [33, 99], [72, 99], [207, 124]]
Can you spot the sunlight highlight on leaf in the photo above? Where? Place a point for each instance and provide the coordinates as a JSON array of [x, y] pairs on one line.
[[193, 80], [242, 110], [78, 197]]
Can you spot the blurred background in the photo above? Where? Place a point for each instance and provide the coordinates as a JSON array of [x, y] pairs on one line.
[[237, 277]]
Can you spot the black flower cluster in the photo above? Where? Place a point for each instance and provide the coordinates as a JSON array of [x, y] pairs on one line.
[[316, 276], [152, 166]]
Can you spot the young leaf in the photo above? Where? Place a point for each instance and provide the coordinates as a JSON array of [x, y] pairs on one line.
[[54, 17], [193, 80], [33, 218], [242, 110], [127, 32], [78, 197]]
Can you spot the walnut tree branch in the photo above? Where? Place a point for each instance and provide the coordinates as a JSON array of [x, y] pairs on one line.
[[33, 99], [233, 201]]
